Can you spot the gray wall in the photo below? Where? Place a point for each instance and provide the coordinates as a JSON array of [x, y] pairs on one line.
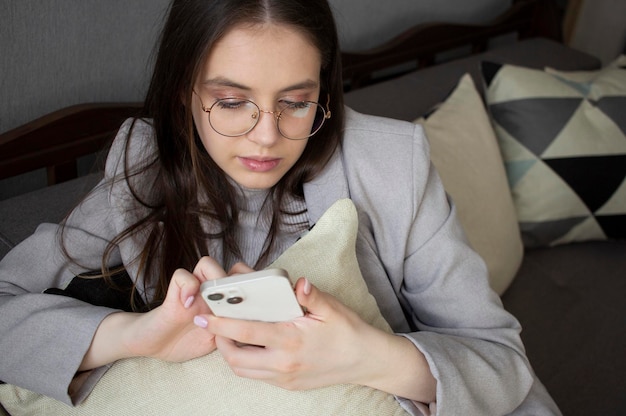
[[57, 53], [600, 29]]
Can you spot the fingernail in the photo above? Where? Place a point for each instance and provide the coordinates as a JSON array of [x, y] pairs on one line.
[[307, 286], [189, 301], [200, 321]]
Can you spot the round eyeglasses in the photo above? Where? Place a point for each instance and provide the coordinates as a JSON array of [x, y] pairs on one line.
[[233, 117]]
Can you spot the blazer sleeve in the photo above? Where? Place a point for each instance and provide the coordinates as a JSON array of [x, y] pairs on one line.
[[470, 342], [44, 337], [414, 242]]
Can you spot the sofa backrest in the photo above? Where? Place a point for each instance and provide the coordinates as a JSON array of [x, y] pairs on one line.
[[364, 24]]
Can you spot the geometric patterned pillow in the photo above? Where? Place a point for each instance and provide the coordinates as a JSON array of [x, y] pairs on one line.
[[563, 140]]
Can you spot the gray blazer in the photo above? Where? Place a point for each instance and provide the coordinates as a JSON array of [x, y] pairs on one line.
[[430, 286]]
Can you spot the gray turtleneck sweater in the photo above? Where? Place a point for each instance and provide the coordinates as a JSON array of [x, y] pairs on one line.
[[254, 224]]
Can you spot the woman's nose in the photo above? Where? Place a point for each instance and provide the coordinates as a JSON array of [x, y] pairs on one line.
[[265, 132]]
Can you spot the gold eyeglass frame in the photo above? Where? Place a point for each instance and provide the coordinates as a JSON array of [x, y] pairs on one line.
[[256, 116]]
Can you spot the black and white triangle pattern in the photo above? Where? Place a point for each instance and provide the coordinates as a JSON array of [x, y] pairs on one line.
[[563, 141]]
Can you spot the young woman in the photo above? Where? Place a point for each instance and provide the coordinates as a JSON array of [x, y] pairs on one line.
[[243, 145]]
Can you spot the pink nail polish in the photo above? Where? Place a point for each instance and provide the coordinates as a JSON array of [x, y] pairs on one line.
[[189, 301], [307, 286], [200, 321]]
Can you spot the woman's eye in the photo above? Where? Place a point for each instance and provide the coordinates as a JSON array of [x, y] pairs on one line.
[[230, 104], [300, 109], [301, 105], [297, 105]]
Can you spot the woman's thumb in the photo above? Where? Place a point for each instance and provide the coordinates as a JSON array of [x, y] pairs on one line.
[[309, 297]]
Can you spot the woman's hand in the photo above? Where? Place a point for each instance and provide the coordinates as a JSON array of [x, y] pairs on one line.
[[330, 345], [166, 332]]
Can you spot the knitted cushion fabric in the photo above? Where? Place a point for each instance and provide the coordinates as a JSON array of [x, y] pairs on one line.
[[464, 149], [207, 386]]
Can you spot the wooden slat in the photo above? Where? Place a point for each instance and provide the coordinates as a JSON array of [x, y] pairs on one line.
[[421, 43], [56, 140]]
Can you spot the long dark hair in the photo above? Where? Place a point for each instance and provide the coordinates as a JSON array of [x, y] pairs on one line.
[[175, 237]]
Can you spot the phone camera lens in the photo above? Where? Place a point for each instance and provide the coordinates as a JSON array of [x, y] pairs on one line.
[[216, 296], [235, 300]]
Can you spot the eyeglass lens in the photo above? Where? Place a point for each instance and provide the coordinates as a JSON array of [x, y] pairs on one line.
[[294, 121]]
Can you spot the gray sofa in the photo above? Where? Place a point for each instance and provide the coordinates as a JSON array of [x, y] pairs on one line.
[[569, 298]]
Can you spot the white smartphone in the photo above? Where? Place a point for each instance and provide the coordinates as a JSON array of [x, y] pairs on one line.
[[266, 295]]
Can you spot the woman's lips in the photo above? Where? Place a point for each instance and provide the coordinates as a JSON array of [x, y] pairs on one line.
[[259, 164]]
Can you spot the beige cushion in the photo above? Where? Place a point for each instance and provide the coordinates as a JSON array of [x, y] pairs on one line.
[[206, 386], [464, 149]]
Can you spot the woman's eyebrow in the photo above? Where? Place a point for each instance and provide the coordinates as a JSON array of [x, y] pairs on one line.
[[225, 82], [309, 84]]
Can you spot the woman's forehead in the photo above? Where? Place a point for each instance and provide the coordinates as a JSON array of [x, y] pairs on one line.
[[266, 55]]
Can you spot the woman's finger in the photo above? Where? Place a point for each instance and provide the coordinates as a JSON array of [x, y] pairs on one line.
[[186, 284], [245, 360], [240, 268], [208, 269], [259, 333]]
